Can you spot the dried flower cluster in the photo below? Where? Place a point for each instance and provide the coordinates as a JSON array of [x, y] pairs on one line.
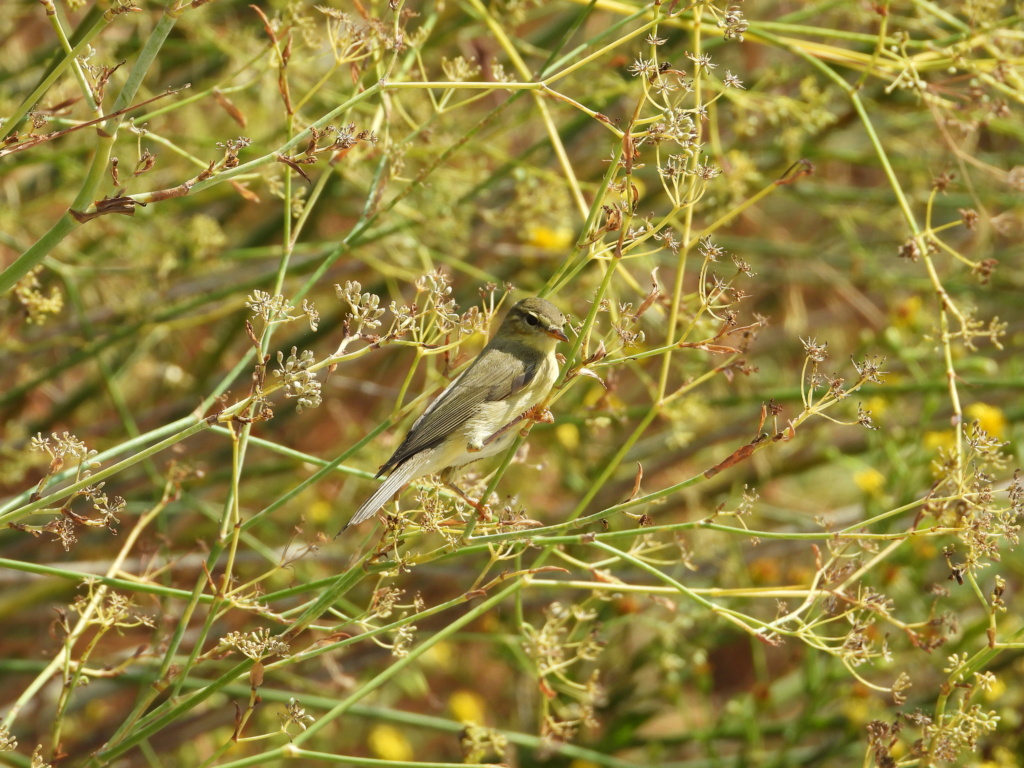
[[257, 645]]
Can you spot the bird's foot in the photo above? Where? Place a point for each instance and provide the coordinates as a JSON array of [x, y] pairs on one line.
[[537, 415], [540, 415], [482, 510], [500, 433]]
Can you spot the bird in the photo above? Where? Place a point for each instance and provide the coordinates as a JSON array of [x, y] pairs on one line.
[[474, 416]]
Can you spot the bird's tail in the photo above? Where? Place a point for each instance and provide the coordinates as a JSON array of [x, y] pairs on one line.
[[402, 474]]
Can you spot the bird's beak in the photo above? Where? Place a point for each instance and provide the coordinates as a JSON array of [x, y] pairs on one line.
[[556, 333]]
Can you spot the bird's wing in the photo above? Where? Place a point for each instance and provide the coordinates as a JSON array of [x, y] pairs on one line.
[[495, 375]]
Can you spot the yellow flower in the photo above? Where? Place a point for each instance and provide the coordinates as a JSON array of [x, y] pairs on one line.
[[870, 480], [857, 709], [991, 419], [389, 743], [439, 655], [933, 440], [549, 238], [1001, 758], [468, 707], [320, 511], [877, 405], [906, 313], [568, 435], [924, 548]]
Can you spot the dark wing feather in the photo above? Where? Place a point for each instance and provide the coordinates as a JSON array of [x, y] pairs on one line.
[[494, 375]]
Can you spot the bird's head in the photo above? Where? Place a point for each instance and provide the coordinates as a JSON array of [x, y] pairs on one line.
[[536, 322]]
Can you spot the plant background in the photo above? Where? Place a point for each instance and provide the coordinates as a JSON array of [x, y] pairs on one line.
[[787, 237]]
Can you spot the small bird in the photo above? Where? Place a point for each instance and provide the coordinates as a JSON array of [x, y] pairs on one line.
[[474, 416]]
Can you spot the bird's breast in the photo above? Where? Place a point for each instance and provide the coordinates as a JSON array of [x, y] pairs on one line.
[[490, 417]]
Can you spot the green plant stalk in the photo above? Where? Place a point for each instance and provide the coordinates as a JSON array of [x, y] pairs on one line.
[[684, 249], [181, 430], [291, 751], [982, 658], [145, 60], [493, 538], [105, 142], [327, 468], [878, 557], [610, 511], [314, 610], [199, 95], [369, 215], [418, 720], [595, 486], [307, 209], [469, 85], [566, 35], [152, 691], [945, 302], [299, 139], [556, 142], [22, 109], [63, 658], [407, 718], [130, 330], [198, 594], [579, 257], [170, 711], [231, 524], [231, 518], [40, 504], [83, 85], [577, 62], [668, 591], [378, 631], [145, 701], [729, 215], [400, 665], [70, 679], [214, 612], [733, 617], [574, 353], [228, 539], [39, 250], [152, 725], [510, 454], [406, 383], [578, 347], [127, 585], [109, 378], [991, 609]]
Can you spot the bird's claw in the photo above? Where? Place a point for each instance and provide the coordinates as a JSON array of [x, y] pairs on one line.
[[540, 415], [537, 415]]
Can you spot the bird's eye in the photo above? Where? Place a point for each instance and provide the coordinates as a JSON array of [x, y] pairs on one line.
[[532, 320]]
